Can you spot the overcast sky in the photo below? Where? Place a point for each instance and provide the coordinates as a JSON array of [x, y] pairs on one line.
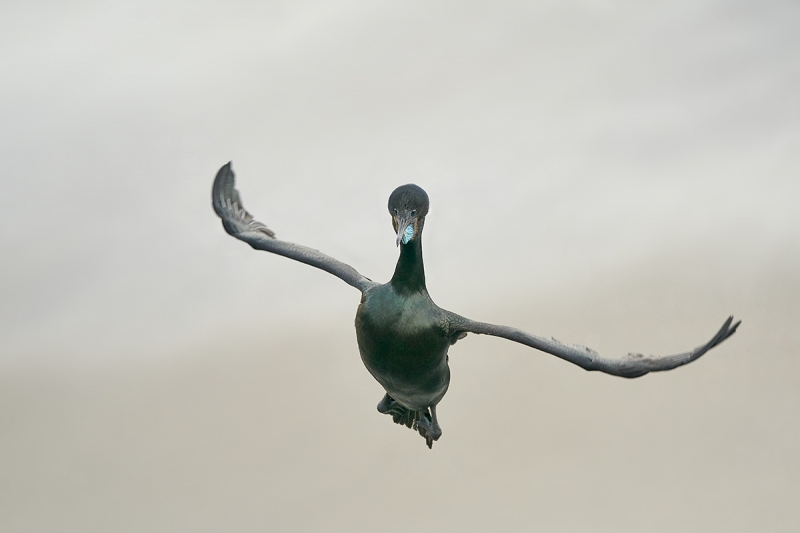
[[619, 174]]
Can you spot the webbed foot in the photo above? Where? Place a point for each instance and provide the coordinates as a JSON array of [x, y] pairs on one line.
[[424, 420], [428, 426], [400, 414]]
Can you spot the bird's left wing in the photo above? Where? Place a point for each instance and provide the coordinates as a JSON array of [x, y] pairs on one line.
[[241, 224], [632, 365]]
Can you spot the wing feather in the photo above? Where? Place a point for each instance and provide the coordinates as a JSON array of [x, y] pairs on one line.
[[632, 365], [240, 224]]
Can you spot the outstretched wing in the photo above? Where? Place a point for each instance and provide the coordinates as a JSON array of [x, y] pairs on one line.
[[632, 365], [241, 224]]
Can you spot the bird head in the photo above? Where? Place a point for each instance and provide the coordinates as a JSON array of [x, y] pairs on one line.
[[408, 205]]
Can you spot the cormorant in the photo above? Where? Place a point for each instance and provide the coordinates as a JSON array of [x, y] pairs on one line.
[[402, 335]]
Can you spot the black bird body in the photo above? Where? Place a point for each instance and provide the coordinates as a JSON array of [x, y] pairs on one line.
[[403, 345], [404, 337]]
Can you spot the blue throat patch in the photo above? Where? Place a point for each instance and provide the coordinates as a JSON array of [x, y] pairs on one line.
[[408, 233]]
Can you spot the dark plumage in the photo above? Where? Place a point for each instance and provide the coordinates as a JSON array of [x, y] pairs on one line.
[[402, 335]]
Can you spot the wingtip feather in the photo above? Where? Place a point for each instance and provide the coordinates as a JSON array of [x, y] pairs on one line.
[[733, 328], [228, 205], [222, 188], [726, 331]]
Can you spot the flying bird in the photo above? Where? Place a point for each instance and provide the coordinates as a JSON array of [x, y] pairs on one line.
[[404, 337]]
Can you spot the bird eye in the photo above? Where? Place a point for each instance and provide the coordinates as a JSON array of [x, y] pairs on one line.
[[395, 211], [414, 213]]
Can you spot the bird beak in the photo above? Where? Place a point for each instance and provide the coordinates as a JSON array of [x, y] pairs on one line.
[[403, 224]]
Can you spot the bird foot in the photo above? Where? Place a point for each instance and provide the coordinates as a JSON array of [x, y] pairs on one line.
[[423, 421], [400, 414], [428, 427]]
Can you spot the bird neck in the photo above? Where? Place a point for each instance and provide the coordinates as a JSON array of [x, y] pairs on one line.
[[409, 274]]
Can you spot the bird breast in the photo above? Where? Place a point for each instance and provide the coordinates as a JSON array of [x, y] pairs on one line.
[[400, 340]]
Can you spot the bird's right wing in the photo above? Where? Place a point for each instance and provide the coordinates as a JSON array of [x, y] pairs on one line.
[[631, 366], [241, 224]]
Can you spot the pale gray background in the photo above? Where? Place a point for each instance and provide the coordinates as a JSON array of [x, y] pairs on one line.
[[618, 174]]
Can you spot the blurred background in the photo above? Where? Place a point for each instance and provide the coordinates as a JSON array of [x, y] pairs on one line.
[[617, 174]]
